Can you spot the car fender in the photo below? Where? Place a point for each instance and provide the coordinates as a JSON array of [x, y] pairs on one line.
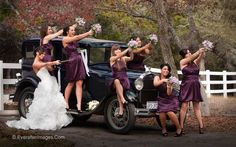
[[130, 96], [26, 82]]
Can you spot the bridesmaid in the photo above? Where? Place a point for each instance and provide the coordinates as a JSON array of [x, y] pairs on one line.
[[120, 78], [139, 56], [75, 70], [47, 35], [168, 103], [190, 86]]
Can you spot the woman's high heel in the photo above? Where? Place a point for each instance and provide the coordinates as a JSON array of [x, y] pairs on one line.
[[201, 130]]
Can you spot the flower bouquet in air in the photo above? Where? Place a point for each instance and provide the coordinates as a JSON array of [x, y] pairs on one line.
[[208, 45], [175, 83], [80, 21], [132, 44], [153, 38], [97, 28]]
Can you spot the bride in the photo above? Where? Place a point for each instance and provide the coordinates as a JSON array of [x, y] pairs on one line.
[[47, 111]]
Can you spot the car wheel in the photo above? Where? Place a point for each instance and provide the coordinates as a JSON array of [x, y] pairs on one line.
[[122, 124], [25, 100]]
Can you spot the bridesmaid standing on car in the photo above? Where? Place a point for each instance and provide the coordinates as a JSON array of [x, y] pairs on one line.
[[47, 34], [120, 78], [168, 103], [75, 70], [190, 86], [139, 55]]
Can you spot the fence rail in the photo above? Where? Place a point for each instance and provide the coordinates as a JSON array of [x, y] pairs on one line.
[[207, 83]]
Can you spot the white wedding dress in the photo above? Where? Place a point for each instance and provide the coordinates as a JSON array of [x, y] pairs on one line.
[[47, 111]]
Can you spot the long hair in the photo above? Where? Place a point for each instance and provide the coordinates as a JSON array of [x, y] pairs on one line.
[[183, 52], [169, 68], [66, 30], [113, 48], [44, 29]]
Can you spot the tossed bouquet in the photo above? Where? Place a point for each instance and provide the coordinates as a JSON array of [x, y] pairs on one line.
[[132, 44], [97, 28], [208, 45], [153, 38], [80, 21]]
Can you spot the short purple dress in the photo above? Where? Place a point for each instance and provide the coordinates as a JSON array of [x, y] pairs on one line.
[[119, 72], [137, 63], [47, 48], [166, 103], [190, 85], [75, 67]]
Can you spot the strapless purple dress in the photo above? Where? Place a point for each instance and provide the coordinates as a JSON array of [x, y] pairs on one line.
[[47, 48], [119, 72], [75, 67], [166, 103], [190, 85], [137, 63]]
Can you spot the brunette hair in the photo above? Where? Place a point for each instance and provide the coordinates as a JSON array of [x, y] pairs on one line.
[[168, 66], [183, 52], [113, 48], [44, 29], [65, 30], [39, 50]]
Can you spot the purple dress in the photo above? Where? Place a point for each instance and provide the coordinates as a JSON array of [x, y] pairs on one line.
[[119, 72], [166, 103], [190, 86], [137, 63], [75, 67], [47, 48]]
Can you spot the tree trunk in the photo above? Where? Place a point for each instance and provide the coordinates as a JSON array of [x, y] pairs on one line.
[[164, 37]]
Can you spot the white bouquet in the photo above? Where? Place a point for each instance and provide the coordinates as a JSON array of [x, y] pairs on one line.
[[92, 104], [132, 44], [208, 45], [175, 83], [153, 38], [97, 28], [80, 21]]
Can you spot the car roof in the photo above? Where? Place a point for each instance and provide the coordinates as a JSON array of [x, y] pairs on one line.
[[90, 42]]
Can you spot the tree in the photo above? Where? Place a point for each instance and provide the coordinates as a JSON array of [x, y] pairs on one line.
[[29, 14]]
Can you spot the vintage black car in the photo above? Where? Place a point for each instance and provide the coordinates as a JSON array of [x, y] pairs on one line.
[[141, 96]]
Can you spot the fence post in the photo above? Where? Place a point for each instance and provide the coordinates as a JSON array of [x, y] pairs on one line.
[[1, 85], [208, 84], [225, 83]]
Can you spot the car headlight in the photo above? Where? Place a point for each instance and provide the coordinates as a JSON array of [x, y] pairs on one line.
[[138, 84]]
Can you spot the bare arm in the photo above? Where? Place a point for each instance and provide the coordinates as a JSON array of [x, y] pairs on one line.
[[114, 58], [67, 40], [199, 58], [144, 48], [47, 38], [38, 65], [169, 88], [130, 58], [191, 58], [157, 81]]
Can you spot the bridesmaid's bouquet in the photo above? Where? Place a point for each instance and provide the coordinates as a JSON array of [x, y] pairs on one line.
[[97, 28], [175, 83], [132, 44], [208, 45], [153, 38], [80, 21]]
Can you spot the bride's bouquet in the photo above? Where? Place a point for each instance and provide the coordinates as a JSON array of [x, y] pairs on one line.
[[132, 44], [153, 38], [175, 83], [208, 45], [80, 21], [97, 28]]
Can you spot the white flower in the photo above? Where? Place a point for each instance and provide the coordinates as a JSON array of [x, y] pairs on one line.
[[97, 28], [133, 44], [153, 38], [208, 45], [92, 104], [80, 21]]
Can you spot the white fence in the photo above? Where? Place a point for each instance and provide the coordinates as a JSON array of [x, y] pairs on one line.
[[208, 82], [4, 97]]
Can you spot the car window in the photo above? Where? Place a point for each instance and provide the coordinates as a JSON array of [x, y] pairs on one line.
[[29, 48], [97, 55]]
